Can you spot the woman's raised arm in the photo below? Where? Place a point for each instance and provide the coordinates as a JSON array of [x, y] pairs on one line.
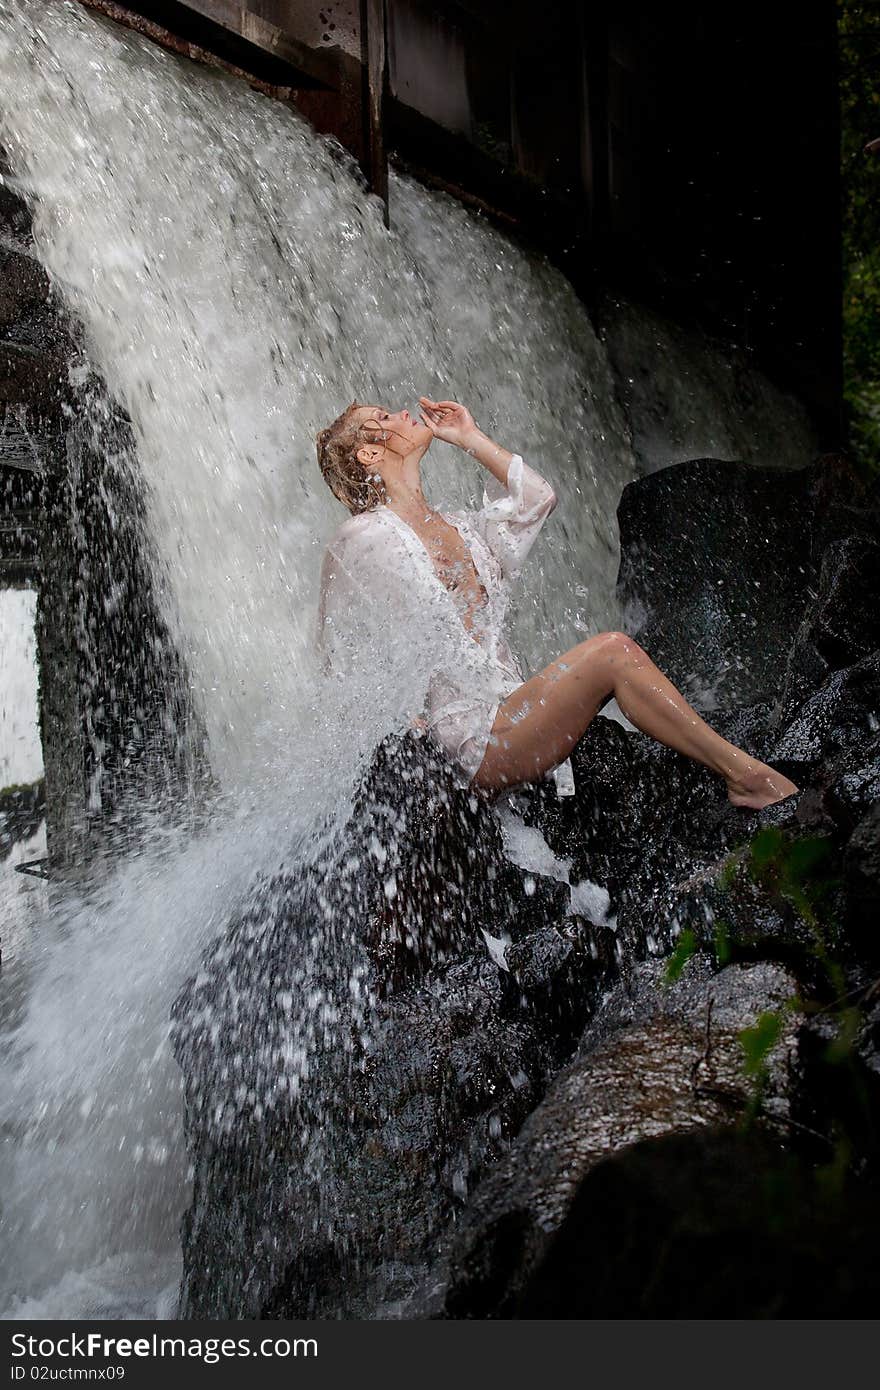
[[516, 502]]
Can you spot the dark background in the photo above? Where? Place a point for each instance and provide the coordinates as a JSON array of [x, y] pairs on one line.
[[685, 154]]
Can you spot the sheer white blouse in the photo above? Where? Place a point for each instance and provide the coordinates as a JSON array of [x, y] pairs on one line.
[[391, 637]]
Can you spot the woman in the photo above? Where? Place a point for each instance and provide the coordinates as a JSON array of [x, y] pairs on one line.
[[426, 592]]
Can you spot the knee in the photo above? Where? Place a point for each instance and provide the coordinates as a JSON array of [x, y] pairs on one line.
[[617, 647]]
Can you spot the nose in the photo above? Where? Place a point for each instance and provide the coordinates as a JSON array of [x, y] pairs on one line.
[[406, 415]]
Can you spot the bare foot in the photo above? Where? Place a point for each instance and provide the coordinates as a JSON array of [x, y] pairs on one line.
[[760, 786]]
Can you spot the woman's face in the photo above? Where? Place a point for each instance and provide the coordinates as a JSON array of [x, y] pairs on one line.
[[396, 430]]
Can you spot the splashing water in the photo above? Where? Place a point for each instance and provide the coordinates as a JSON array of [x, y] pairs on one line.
[[237, 288]]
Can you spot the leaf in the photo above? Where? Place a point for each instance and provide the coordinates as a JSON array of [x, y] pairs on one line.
[[758, 1041], [807, 855], [684, 949], [766, 846], [727, 873]]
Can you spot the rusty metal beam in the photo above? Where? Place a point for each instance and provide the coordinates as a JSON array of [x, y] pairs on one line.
[[274, 43], [162, 36], [375, 64], [317, 63]]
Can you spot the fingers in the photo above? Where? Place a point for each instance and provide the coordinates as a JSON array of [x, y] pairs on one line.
[[442, 418]]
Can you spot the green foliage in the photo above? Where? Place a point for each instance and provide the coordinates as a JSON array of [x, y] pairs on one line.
[[800, 870], [849, 1021], [18, 789], [728, 872], [802, 873], [684, 949], [721, 942], [797, 869], [859, 48], [757, 1042]]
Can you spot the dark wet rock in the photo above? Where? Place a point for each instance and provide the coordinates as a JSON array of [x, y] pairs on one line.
[[34, 331], [845, 503], [853, 791], [31, 375], [444, 1079], [869, 1037], [734, 918], [862, 870], [372, 1051], [33, 363], [120, 730], [839, 1103], [745, 585], [748, 726], [24, 287], [349, 1074], [643, 819], [554, 976], [836, 726], [844, 620], [657, 1061], [22, 809], [656, 830], [709, 1224], [736, 541], [863, 852]]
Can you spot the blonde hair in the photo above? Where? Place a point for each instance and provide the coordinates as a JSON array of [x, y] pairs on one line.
[[342, 470]]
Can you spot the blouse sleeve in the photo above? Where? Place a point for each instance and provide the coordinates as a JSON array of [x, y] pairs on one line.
[[511, 517]]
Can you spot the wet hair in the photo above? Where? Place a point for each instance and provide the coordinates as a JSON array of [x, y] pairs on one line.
[[342, 470]]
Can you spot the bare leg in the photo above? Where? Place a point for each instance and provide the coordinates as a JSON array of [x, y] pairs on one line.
[[538, 725]]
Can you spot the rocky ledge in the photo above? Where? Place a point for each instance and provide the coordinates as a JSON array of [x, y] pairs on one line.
[[422, 1081]]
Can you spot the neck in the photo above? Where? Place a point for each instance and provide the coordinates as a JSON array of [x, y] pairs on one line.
[[405, 491]]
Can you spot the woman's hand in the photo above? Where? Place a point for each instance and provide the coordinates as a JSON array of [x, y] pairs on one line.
[[448, 421]]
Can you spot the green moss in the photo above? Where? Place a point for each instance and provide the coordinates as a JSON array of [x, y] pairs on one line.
[[859, 46]]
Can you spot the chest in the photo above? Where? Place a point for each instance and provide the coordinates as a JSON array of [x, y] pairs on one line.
[[451, 558], [462, 564]]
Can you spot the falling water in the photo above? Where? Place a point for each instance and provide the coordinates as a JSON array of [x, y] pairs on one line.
[[688, 397], [237, 288]]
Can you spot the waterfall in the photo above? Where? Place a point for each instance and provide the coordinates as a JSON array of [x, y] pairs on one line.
[[687, 396], [236, 288]]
